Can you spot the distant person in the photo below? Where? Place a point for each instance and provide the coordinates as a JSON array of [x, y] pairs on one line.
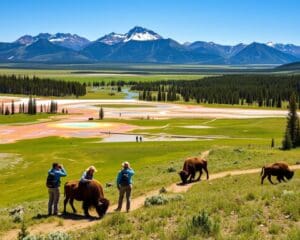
[[137, 138], [141, 139], [124, 184], [53, 183]]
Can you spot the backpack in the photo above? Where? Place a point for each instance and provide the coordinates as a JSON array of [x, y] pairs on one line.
[[51, 181], [124, 181]]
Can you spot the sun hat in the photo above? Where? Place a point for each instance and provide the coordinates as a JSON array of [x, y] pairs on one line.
[[92, 168]]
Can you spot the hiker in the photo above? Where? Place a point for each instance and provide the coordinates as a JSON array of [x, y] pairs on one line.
[[88, 175], [141, 139], [53, 183], [137, 139], [124, 184]]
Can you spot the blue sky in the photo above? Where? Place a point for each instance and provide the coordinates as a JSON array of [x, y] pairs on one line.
[[221, 21]]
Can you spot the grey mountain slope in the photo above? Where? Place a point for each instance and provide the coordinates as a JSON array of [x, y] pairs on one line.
[[257, 53]]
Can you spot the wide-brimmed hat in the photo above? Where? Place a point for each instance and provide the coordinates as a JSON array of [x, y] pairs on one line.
[[91, 168], [125, 164]]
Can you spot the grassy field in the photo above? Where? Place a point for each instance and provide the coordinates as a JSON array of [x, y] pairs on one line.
[[24, 118], [106, 75], [246, 211], [24, 165], [231, 128]]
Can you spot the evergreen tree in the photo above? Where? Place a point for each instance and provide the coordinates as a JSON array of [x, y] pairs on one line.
[[287, 141], [6, 111], [272, 143], [293, 118], [12, 107], [101, 113]]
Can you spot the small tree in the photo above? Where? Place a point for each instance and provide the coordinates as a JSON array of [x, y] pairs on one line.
[[7, 112], [292, 128], [287, 141], [12, 107], [272, 143], [23, 233], [101, 113]]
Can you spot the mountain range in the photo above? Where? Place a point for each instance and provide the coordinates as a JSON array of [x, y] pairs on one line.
[[141, 45]]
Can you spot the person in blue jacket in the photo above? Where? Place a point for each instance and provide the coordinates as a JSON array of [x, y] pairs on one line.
[[53, 183], [124, 184]]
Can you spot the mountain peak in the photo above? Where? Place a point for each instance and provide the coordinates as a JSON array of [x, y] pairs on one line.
[[112, 38], [141, 34], [137, 33]]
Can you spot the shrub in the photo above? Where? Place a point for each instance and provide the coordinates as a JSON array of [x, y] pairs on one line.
[[58, 236], [155, 200], [23, 233], [17, 214], [171, 169], [202, 224], [274, 229], [250, 197], [163, 190]]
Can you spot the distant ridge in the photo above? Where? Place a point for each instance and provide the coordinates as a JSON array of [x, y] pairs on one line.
[[290, 67], [141, 45]]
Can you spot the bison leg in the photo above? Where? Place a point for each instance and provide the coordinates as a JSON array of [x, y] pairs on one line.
[[85, 207], [262, 178], [200, 174], [72, 205], [269, 178], [205, 169], [65, 204], [278, 179], [192, 176]]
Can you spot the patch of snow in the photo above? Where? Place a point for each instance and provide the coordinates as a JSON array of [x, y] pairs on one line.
[[145, 36], [11, 57], [57, 39], [270, 44]]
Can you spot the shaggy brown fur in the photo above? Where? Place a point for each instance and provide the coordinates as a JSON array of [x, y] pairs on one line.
[[280, 169], [91, 194], [190, 167]]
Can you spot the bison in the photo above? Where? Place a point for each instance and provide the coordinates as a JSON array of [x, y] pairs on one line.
[[190, 167], [279, 169], [91, 194]]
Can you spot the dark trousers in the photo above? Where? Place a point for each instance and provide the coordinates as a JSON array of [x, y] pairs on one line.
[[124, 190], [53, 200]]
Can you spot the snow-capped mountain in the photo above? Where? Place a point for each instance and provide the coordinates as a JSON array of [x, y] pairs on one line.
[[135, 34], [112, 38], [141, 34], [286, 48], [141, 45], [68, 40]]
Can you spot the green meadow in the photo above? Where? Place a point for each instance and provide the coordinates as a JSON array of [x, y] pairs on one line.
[[25, 165], [237, 208], [24, 118]]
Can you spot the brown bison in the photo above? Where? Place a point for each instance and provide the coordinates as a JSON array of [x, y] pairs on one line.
[[91, 194], [279, 169], [190, 167]]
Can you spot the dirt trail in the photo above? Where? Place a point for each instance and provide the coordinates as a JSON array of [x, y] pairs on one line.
[[136, 203]]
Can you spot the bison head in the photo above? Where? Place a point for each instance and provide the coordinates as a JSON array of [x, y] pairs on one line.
[[184, 176], [102, 207], [289, 174]]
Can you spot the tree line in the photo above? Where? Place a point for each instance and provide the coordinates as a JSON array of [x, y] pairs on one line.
[[13, 84], [261, 90], [30, 108]]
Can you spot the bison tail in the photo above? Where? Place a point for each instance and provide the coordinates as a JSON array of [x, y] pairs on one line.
[[262, 171]]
